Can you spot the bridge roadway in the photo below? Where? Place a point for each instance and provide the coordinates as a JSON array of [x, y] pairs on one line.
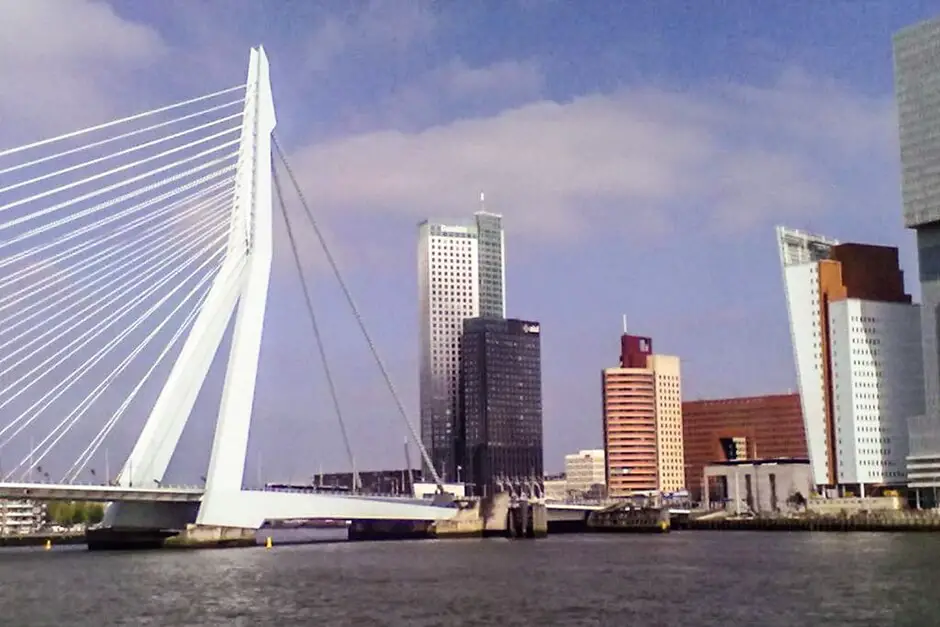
[[102, 493], [193, 494]]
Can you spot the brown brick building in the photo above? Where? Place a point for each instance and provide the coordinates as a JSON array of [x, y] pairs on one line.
[[751, 427]]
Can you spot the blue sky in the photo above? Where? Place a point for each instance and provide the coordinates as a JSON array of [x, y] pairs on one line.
[[641, 154]]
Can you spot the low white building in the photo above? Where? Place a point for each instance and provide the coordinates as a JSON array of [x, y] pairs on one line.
[[21, 516], [555, 489], [584, 470]]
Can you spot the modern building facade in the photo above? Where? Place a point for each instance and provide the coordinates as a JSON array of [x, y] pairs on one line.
[[642, 410], [500, 410], [670, 451], [857, 348], [744, 428], [760, 486], [917, 91], [586, 472], [461, 274]]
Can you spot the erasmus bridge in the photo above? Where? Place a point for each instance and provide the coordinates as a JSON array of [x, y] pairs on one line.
[[127, 250]]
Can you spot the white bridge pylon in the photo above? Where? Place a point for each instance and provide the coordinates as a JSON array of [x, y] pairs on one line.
[[240, 285]]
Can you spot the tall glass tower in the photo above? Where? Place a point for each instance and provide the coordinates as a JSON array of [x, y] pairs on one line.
[[917, 90], [461, 274]]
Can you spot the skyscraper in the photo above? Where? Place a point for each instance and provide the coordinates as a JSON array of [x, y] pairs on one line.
[[461, 274], [856, 345], [500, 414], [917, 90], [642, 406]]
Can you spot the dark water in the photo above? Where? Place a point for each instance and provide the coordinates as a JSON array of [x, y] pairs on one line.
[[691, 578]]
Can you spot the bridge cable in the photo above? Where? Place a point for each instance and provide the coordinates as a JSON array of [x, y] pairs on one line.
[[69, 421], [120, 153], [131, 118], [83, 339], [124, 182], [67, 271], [146, 253], [358, 316], [101, 142], [85, 458], [141, 247], [46, 245], [357, 483], [66, 424], [124, 281]]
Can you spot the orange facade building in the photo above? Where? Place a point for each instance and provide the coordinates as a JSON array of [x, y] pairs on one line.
[[752, 427], [642, 421]]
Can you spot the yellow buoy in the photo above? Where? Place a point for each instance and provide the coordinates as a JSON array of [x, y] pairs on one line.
[[268, 543], [48, 544]]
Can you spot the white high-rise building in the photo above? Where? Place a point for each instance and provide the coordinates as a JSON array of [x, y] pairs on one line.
[[799, 254], [461, 274], [856, 345]]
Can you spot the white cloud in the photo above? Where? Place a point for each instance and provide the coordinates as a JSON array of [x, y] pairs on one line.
[[451, 91], [644, 158], [376, 25], [513, 77], [63, 61]]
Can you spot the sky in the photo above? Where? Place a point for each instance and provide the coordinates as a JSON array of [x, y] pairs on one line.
[[640, 153]]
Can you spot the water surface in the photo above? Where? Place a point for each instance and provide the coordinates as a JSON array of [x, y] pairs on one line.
[[683, 578]]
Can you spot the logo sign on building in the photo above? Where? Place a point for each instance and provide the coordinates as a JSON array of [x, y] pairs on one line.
[[530, 328], [644, 345], [454, 230]]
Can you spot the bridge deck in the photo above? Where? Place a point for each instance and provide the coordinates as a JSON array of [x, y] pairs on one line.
[[104, 493], [276, 504]]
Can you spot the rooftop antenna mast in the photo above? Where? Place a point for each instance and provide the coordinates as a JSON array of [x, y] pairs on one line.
[[624, 324]]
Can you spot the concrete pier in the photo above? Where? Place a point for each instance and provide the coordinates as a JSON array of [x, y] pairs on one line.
[[126, 538], [192, 537], [372, 530], [495, 516], [212, 537]]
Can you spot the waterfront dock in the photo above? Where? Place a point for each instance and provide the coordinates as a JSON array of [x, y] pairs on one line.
[[41, 539], [624, 518], [897, 521]]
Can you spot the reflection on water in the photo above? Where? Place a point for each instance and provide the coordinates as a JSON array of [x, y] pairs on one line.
[[690, 578]]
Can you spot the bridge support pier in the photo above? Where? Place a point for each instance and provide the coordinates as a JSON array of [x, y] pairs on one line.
[[192, 537], [213, 537], [126, 538]]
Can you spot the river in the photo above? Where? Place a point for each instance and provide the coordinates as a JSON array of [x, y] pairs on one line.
[[684, 578]]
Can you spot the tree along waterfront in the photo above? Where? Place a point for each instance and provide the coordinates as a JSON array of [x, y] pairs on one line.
[[68, 513]]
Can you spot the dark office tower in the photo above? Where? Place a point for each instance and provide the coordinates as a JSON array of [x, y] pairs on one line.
[[500, 416]]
